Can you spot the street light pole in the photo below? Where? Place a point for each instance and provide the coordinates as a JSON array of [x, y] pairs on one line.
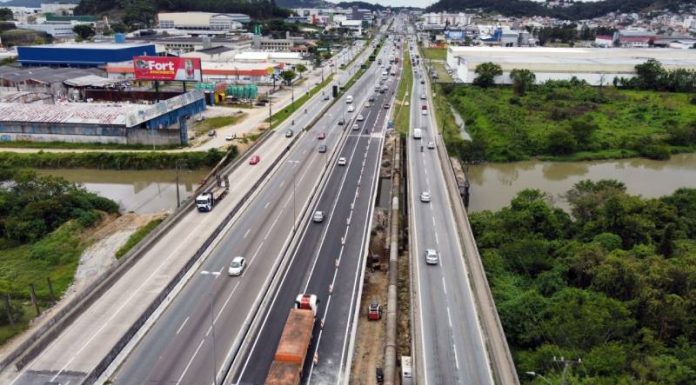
[[535, 374], [270, 115]]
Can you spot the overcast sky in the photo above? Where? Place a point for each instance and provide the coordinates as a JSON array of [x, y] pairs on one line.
[[414, 3]]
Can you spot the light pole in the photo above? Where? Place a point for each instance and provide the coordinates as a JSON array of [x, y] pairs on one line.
[[179, 163], [535, 374], [215, 274], [292, 95], [294, 177], [270, 114]]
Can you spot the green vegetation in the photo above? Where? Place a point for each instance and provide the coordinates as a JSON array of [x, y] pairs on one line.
[[613, 285], [113, 160], [568, 119], [138, 236], [280, 116], [403, 95], [215, 122], [42, 219], [442, 75], [434, 53], [652, 76]]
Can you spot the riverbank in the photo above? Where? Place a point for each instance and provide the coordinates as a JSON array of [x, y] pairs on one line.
[[568, 121]]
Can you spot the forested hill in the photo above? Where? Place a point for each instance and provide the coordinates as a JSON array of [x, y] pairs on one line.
[[578, 11], [143, 10]]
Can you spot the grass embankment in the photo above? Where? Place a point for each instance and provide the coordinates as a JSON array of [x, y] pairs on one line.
[[280, 116], [434, 53], [138, 236], [202, 127], [113, 160], [402, 114], [575, 122], [444, 119]]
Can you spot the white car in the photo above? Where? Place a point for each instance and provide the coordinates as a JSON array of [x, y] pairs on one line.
[[360, 118], [431, 257], [425, 197], [431, 145], [355, 127], [341, 161], [422, 96], [318, 217], [237, 266], [351, 108]]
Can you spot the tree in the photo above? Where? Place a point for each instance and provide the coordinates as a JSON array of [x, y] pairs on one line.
[[84, 31], [522, 80], [300, 68], [6, 14], [649, 74], [666, 246], [486, 74], [287, 76], [561, 142]]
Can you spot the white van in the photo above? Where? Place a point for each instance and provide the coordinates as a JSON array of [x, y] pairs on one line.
[[417, 133], [349, 99]]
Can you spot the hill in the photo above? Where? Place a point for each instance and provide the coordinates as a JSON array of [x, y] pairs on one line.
[[32, 3], [303, 3], [144, 11], [578, 11]]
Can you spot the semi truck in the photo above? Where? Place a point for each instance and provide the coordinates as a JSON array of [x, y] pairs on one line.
[[291, 353], [206, 200]]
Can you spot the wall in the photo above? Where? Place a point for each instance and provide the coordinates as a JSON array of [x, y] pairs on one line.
[[44, 132]]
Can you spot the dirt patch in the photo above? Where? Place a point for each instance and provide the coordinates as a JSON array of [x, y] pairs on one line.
[[105, 239]]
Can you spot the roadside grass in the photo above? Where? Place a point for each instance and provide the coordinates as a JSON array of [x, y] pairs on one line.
[[442, 75], [403, 95], [445, 122], [202, 127], [544, 122], [137, 236], [280, 116], [434, 53]]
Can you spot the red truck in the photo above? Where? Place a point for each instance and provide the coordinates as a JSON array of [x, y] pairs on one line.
[[289, 359]]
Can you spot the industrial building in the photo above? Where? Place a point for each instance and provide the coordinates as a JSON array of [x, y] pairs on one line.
[[594, 65], [163, 123], [202, 21], [81, 55]]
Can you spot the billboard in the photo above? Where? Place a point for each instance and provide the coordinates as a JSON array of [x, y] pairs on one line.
[[167, 68]]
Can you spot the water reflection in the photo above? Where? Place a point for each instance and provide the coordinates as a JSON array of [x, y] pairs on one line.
[[141, 191], [494, 185]]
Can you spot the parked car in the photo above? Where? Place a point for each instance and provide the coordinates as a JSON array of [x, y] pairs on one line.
[[237, 266], [229, 138]]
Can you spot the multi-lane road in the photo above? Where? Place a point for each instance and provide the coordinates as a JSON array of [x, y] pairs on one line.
[[447, 329]]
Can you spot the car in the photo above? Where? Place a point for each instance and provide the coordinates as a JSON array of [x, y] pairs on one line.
[[431, 257], [237, 266], [341, 161], [360, 118], [356, 126], [386, 106], [372, 98], [422, 81], [422, 96], [431, 145], [212, 133], [254, 159], [327, 97], [321, 135], [341, 122], [425, 197], [323, 148], [289, 133], [368, 105], [351, 108], [318, 216], [229, 138]]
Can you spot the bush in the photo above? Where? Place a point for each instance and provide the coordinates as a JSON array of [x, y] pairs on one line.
[[655, 151]]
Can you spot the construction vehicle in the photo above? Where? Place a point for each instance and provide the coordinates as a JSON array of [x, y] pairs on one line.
[[206, 200], [290, 355]]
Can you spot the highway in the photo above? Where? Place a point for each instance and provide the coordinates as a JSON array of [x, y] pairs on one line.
[[78, 349], [450, 343], [197, 336], [329, 260]]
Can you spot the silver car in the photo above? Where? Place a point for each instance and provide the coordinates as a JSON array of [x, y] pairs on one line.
[[318, 217], [237, 266], [431, 257]]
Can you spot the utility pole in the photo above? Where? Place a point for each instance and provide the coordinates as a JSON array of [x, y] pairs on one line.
[[566, 364]]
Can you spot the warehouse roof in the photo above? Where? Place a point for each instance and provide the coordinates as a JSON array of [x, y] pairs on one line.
[[80, 113], [111, 46], [43, 74]]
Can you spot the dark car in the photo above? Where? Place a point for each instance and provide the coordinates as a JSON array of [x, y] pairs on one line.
[[323, 148], [288, 134]]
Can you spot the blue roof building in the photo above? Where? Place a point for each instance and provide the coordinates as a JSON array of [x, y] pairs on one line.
[[81, 55]]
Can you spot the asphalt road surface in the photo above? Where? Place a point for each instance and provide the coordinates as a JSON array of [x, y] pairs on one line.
[[451, 340], [329, 260]]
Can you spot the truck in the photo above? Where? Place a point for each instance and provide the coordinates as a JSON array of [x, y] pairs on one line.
[[206, 200], [417, 133], [291, 353]]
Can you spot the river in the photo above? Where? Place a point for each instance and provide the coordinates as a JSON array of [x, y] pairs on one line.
[[494, 185], [140, 191]]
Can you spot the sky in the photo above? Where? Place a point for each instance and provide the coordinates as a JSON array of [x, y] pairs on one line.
[[416, 3]]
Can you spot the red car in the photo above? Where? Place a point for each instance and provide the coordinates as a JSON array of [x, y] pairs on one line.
[[321, 135], [254, 159]]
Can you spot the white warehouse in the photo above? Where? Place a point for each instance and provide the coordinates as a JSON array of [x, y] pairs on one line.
[[594, 65]]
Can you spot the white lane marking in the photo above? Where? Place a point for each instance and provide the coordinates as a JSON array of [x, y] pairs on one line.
[[247, 233], [266, 205], [190, 361], [182, 325], [282, 183], [449, 317]]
